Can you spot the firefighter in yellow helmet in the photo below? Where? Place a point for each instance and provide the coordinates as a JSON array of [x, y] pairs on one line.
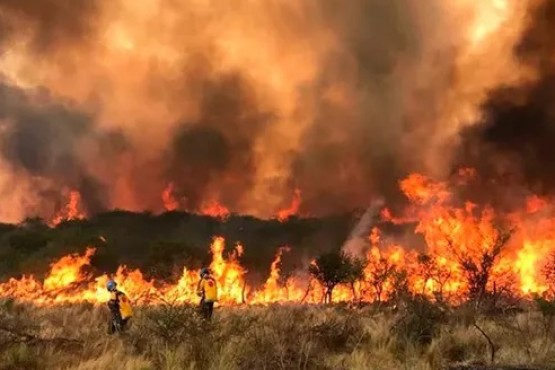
[[120, 308], [207, 290]]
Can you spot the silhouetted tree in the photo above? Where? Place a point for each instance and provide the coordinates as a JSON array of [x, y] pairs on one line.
[[431, 271], [334, 268], [380, 270], [356, 274]]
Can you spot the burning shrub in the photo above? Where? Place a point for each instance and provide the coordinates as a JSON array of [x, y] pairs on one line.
[[379, 274]]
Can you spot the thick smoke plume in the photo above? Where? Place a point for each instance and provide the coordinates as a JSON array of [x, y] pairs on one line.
[[514, 143], [242, 104]]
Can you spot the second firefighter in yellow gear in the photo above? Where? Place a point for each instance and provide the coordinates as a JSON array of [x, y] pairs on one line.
[[207, 289], [120, 308]]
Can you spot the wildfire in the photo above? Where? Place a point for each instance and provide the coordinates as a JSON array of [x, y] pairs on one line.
[[71, 211], [273, 291], [209, 208], [535, 204], [470, 251], [67, 271], [168, 198], [293, 208], [214, 209], [67, 283], [228, 273]]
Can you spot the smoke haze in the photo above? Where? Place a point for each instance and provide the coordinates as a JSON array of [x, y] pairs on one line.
[[515, 140], [243, 104]]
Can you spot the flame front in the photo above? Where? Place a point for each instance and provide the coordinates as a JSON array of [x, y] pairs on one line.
[[168, 198], [71, 211], [228, 273], [214, 209], [274, 290], [67, 271], [211, 208], [469, 250], [293, 208], [67, 283]]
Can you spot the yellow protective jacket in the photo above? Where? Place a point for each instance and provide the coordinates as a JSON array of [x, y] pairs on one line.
[[118, 300], [208, 289]]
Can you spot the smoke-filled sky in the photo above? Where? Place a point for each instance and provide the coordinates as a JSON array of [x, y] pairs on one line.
[[243, 102]]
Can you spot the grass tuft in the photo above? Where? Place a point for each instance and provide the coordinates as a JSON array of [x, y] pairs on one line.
[[416, 335]]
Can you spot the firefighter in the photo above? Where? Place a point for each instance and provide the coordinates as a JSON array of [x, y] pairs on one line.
[[207, 290], [120, 308]]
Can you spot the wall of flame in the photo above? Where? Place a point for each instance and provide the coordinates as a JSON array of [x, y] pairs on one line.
[[456, 233]]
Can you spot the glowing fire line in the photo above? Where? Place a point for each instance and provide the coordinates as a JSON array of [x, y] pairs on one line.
[[459, 238]]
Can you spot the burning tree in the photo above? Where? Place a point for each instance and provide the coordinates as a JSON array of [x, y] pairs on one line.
[[379, 272], [335, 268], [478, 267], [435, 276], [463, 238]]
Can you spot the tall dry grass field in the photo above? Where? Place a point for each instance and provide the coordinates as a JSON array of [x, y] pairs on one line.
[[416, 336]]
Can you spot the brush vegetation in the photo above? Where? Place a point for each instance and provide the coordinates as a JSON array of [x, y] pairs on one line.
[[160, 245], [413, 335]]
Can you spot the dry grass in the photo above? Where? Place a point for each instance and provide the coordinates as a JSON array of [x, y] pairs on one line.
[[275, 337]]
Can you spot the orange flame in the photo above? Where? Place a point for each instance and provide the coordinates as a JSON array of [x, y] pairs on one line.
[[467, 252], [293, 208], [168, 198], [67, 271], [214, 209], [229, 274], [535, 204], [272, 291], [71, 211]]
